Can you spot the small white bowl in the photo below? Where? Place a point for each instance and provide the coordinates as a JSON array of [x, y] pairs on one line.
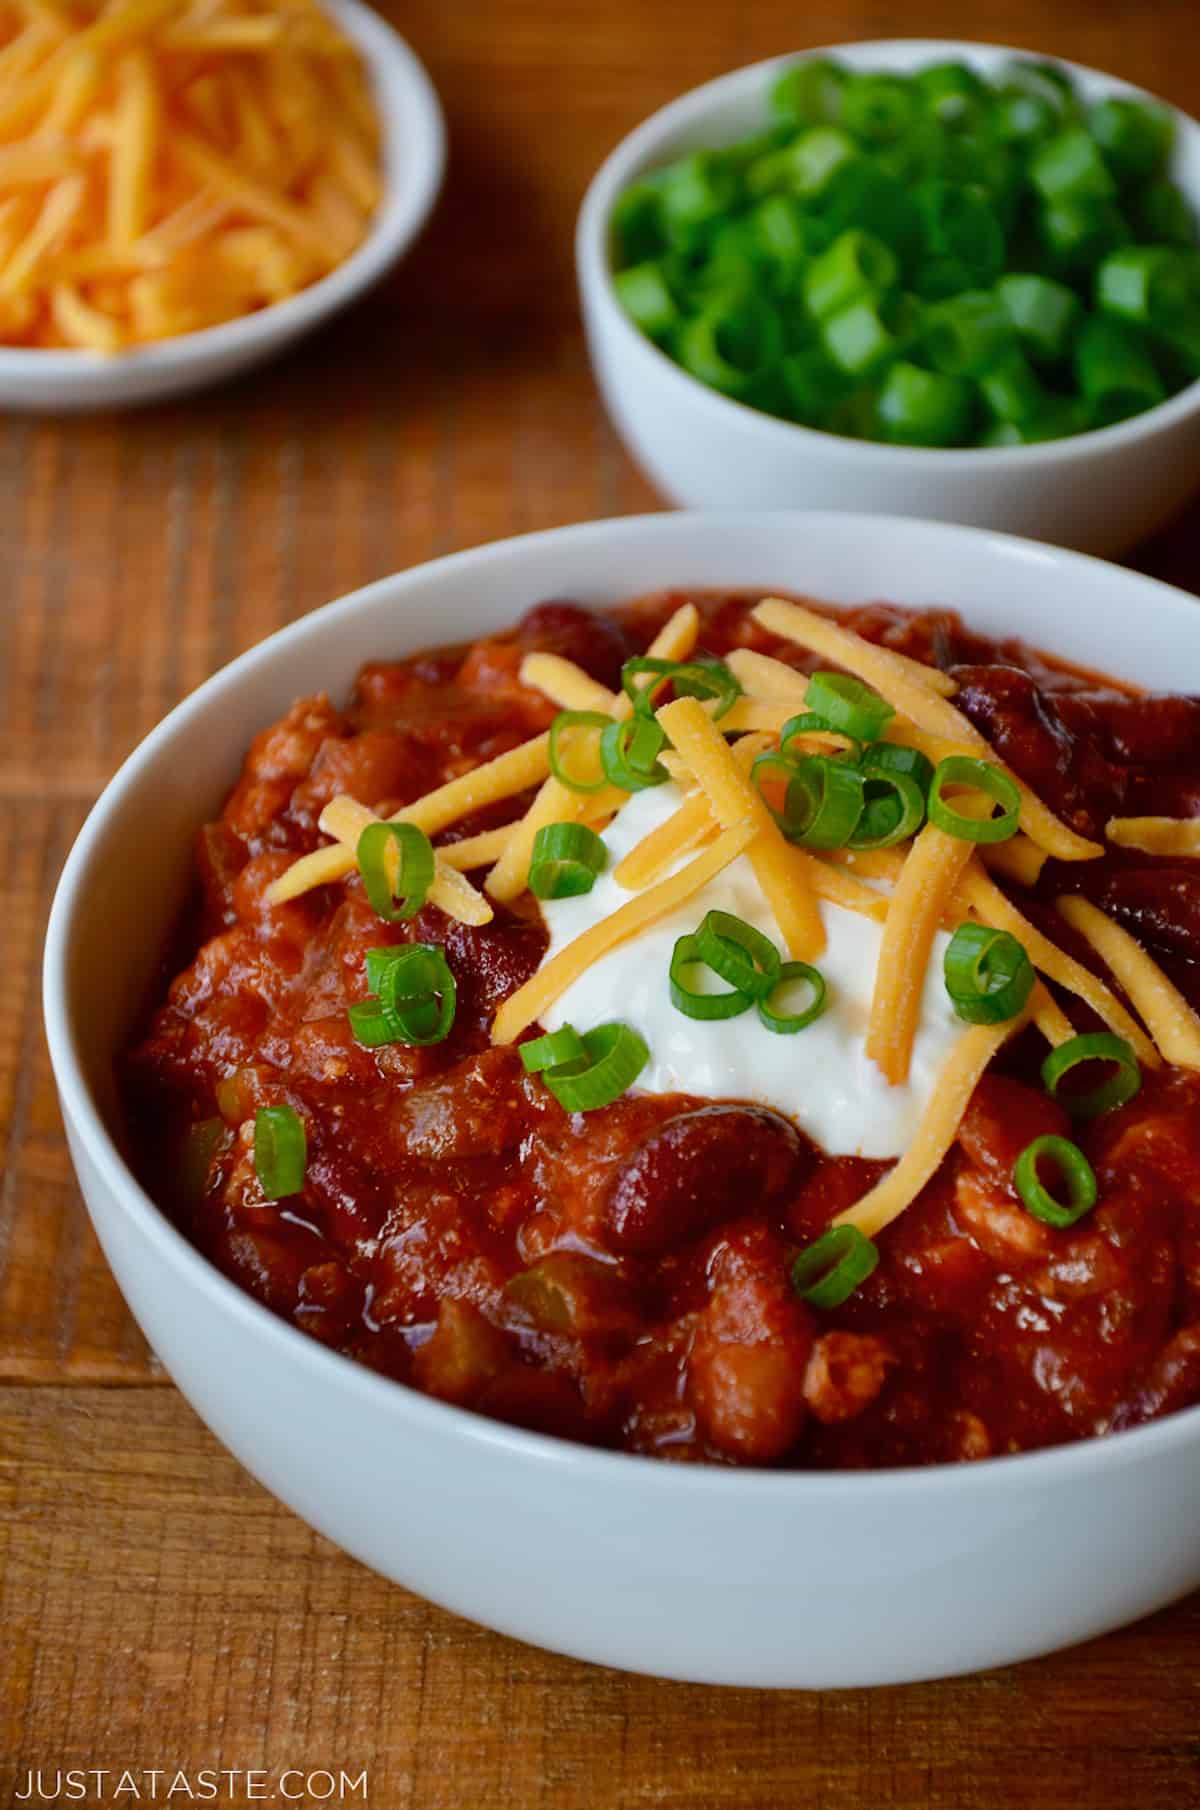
[[414, 158], [689, 1571], [1100, 492]]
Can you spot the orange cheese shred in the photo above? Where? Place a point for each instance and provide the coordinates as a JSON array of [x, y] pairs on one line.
[[922, 895], [1171, 1020], [732, 797], [1156, 835], [956, 1082]]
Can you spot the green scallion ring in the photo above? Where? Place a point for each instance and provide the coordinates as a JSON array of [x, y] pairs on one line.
[[614, 1056], [418, 995], [897, 759], [705, 679], [552, 1050], [402, 897], [807, 723], [827, 1272], [1093, 1046], [709, 1006], [892, 817], [738, 952], [369, 1024], [849, 705], [280, 1151], [378, 959], [988, 974], [823, 803], [629, 753], [1076, 1171], [981, 776], [788, 1023], [565, 861], [564, 721]]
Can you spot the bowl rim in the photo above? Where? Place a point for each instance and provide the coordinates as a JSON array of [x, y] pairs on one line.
[[637, 148], [414, 162], [424, 1414]]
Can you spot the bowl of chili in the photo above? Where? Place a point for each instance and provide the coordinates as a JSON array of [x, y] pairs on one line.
[[885, 1531]]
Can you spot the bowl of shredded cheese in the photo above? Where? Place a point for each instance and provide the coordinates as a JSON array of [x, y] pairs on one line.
[[187, 186]]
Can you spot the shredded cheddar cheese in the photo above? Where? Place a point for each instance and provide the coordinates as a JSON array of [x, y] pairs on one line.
[[732, 797], [178, 163], [1171, 1020], [1156, 835], [938, 1129], [921, 897]]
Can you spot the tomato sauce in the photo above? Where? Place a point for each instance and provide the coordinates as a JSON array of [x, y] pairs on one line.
[[621, 1277]]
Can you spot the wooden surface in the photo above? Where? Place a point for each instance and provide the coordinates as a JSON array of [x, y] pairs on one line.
[[156, 1607]]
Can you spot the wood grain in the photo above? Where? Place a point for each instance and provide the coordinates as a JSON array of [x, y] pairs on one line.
[[160, 1608], [156, 1607]]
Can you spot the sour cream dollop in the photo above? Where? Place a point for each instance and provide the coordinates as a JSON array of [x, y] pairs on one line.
[[821, 1077]]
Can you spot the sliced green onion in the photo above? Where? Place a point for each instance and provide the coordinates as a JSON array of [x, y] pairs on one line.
[[893, 806], [960, 223], [878, 108], [1093, 1046], [552, 1050], [629, 752], [1012, 390], [379, 959], [810, 94], [730, 342], [981, 776], [645, 295], [827, 1272], [381, 845], [923, 408], [1163, 214], [280, 1151], [988, 974], [369, 1024], [1115, 370], [951, 92], [1079, 230], [1135, 137], [848, 705], [855, 264], [565, 721], [809, 723], [1076, 1172], [689, 1000], [738, 952], [565, 860], [823, 802], [967, 333], [693, 194], [706, 679], [898, 759], [418, 995], [1070, 166], [1044, 313], [1150, 285], [614, 1056], [770, 1003]]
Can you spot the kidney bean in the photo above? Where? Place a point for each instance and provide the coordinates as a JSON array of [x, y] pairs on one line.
[[698, 1169], [592, 640]]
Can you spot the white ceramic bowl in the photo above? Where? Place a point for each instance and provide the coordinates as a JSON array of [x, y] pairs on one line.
[[1099, 492], [414, 157], [733, 1577]]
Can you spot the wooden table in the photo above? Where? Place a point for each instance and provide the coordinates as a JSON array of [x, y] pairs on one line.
[[157, 1608]]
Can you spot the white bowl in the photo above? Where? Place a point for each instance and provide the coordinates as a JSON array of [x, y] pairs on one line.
[[705, 1573], [414, 157], [1099, 492]]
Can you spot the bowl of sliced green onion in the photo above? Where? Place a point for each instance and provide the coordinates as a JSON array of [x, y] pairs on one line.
[[942, 279]]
